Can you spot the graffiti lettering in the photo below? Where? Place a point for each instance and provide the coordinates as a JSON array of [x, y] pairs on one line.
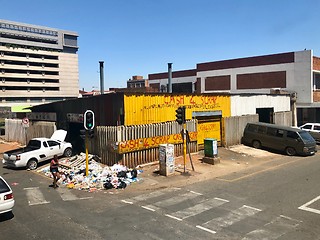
[[145, 143]]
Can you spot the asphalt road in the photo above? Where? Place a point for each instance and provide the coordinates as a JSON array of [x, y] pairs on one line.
[[273, 201]]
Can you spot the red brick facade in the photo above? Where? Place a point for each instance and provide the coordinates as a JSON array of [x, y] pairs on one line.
[[261, 80], [316, 63]]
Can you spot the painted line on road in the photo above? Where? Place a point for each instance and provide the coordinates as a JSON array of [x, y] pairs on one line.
[[125, 201], [253, 208], [221, 199], [148, 208], [206, 229], [257, 172], [35, 196], [308, 209], [196, 193], [173, 217]]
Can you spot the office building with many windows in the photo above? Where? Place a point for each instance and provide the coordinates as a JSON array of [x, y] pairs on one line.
[[37, 65]]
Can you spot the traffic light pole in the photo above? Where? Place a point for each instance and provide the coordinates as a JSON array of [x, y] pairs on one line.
[[184, 146], [87, 159]]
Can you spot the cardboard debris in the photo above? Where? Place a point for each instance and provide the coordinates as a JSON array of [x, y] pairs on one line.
[[73, 171]]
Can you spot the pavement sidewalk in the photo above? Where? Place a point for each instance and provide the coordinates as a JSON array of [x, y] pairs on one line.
[[232, 160]]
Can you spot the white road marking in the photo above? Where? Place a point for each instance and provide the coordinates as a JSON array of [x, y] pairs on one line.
[[154, 208], [173, 217], [196, 193], [147, 196], [199, 208], [221, 199], [231, 218], [205, 229], [150, 209], [253, 208], [306, 208], [35, 196], [176, 199], [274, 229], [67, 195], [125, 201]]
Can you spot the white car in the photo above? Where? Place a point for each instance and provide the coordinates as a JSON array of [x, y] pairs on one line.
[[6, 197], [313, 129], [38, 150]]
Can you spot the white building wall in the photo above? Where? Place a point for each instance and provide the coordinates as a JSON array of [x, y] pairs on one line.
[[243, 105], [298, 77], [164, 81], [302, 81], [69, 75]]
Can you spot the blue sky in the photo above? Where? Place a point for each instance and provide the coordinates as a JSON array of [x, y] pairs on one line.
[[139, 37]]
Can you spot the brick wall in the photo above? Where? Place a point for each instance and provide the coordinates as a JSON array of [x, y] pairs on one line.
[[316, 63]]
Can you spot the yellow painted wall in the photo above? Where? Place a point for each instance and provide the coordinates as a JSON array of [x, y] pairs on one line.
[[153, 108], [209, 129]]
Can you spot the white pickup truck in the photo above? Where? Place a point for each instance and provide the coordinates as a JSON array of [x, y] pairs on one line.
[[38, 150]]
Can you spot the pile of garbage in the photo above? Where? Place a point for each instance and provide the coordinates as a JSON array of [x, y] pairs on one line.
[[73, 174]]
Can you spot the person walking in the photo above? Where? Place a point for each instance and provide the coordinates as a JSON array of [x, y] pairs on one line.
[[54, 165]]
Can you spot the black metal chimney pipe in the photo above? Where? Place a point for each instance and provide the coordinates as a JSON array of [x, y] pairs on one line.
[[101, 78], [169, 77]]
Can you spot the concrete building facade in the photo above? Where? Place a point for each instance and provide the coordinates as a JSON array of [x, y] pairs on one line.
[[296, 73], [37, 64]]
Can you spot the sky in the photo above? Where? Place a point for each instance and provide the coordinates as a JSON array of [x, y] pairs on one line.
[[140, 37]]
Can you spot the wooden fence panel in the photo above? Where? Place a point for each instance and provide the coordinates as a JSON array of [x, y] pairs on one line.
[[15, 132], [107, 140]]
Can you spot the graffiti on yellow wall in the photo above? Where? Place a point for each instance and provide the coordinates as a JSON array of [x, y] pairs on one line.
[[145, 143], [203, 102], [208, 130]]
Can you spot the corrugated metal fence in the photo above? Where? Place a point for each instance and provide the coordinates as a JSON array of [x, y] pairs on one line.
[[16, 132], [107, 142], [234, 126]]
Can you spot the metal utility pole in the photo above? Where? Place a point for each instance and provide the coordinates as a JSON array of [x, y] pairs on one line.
[[101, 78], [169, 77]]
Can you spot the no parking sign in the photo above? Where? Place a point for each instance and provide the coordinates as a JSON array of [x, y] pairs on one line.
[[25, 122]]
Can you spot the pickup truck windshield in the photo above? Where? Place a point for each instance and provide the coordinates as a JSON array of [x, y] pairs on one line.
[[34, 144]]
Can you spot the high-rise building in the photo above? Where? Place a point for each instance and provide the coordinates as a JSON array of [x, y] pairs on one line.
[[37, 64]]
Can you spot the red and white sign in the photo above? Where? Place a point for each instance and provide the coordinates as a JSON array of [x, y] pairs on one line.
[[25, 122]]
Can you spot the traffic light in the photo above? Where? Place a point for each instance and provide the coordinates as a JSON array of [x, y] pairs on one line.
[[181, 115], [88, 120]]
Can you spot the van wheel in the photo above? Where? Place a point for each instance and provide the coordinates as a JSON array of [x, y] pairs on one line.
[[290, 151], [32, 164], [256, 144]]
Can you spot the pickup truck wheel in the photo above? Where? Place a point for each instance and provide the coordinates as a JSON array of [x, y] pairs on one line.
[[67, 152], [32, 164]]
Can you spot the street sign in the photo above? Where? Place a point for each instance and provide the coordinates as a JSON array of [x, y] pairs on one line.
[[25, 122]]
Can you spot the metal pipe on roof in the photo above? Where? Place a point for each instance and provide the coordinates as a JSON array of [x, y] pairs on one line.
[[101, 77], [169, 77]]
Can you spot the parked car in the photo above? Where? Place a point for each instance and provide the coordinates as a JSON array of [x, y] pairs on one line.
[[38, 150], [313, 129], [6, 197], [290, 140]]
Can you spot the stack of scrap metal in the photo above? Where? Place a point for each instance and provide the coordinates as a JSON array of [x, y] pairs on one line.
[[75, 161]]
